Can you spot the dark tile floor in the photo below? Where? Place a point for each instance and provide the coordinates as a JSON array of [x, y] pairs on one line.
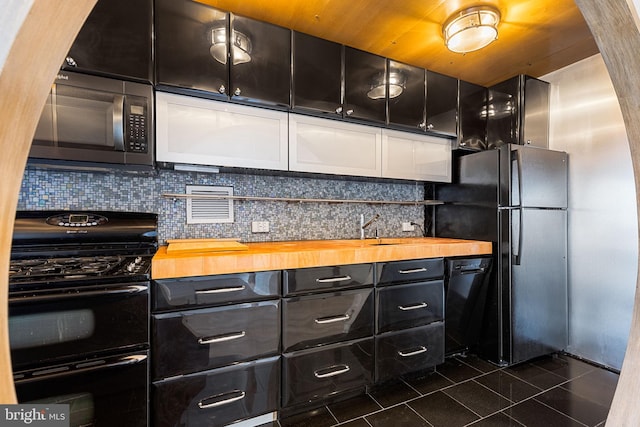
[[553, 391]]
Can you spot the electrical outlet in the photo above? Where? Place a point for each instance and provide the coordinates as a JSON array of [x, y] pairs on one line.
[[260, 226], [407, 226]]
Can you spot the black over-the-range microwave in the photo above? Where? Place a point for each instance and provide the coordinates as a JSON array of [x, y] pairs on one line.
[[97, 121]]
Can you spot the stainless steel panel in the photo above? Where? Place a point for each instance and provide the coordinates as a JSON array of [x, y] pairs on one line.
[[535, 114], [538, 282], [603, 221]]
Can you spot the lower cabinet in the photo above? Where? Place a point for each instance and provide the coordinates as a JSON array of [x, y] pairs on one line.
[[409, 350], [215, 349], [320, 373], [219, 396], [231, 347], [410, 317]]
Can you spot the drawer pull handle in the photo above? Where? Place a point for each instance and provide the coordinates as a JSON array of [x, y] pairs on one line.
[[239, 395], [333, 279], [220, 290], [413, 270], [221, 338], [413, 307], [420, 350], [332, 319], [331, 371]]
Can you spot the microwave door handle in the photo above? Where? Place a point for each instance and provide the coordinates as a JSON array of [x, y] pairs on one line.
[[118, 122]]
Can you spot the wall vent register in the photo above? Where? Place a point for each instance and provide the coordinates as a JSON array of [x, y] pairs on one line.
[[206, 209]]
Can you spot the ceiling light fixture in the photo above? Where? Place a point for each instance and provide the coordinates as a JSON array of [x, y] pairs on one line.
[[471, 29], [240, 43], [397, 84]]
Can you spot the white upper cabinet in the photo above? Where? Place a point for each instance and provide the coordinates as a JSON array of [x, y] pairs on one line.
[[333, 147], [415, 157], [205, 132]]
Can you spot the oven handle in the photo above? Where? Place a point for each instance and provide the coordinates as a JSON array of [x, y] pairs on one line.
[[131, 289], [77, 368]]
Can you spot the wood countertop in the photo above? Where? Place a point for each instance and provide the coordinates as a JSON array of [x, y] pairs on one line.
[[309, 253]]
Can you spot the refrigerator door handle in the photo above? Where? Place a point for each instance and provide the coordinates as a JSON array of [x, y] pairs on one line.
[[516, 236], [516, 169]]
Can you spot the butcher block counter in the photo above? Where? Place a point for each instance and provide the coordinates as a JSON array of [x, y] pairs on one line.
[[251, 257]]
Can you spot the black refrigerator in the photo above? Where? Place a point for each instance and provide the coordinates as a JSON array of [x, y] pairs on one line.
[[516, 197]]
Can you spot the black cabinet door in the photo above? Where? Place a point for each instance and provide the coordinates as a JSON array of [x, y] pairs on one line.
[[185, 53], [266, 76], [406, 96], [317, 74], [442, 103], [114, 40], [363, 74], [473, 116], [503, 112]]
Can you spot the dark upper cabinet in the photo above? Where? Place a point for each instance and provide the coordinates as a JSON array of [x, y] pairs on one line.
[[407, 87], [364, 85], [263, 71], [442, 104], [115, 40], [518, 112], [194, 51], [472, 114], [184, 46], [317, 75]]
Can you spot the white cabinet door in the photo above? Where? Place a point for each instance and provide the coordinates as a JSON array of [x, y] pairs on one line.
[[417, 157], [327, 146], [204, 132]]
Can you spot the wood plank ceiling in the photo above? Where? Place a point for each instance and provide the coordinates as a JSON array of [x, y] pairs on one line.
[[535, 36]]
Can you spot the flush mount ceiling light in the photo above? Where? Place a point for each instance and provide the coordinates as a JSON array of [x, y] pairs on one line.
[[240, 43], [471, 29], [397, 83]]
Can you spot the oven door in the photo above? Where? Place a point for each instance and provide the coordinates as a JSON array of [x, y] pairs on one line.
[[102, 392], [76, 325]]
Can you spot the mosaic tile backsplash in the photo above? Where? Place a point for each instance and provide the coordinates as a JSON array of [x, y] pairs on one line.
[[44, 189]]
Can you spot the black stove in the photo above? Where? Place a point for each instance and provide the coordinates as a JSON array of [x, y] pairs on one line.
[[68, 249], [79, 312]]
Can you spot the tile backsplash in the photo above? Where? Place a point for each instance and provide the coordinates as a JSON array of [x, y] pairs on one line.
[[45, 189]]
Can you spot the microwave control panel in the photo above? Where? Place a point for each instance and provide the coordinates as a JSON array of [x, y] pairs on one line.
[[136, 128]]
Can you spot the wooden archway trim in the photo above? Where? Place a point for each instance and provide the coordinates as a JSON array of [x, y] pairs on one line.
[[31, 65], [49, 29]]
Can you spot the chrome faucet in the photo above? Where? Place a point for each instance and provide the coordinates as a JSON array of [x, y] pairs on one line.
[[364, 225]]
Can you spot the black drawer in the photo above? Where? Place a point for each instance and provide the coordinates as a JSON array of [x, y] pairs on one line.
[[410, 350], [195, 340], [410, 271], [409, 305], [172, 294], [303, 280], [217, 397], [326, 318], [309, 375]]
